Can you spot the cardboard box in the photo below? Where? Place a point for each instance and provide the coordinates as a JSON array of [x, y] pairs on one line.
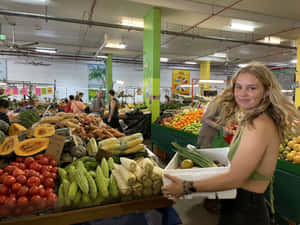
[[196, 174]]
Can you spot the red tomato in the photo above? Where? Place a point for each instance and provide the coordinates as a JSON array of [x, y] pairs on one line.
[[16, 187], [9, 180], [2, 199], [48, 157], [49, 182], [42, 192], [28, 210], [46, 174], [2, 177], [53, 175], [22, 200], [28, 161], [43, 161], [49, 190], [3, 189], [31, 173], [18, 172], [36, 198], [53, 163], [33, 181], [16, 164], [39, 156], [51, 196], [46, 168], [21, 179], [12, 195], [1, 172], [34, 190], [22, 166], [9, 169], [10, 200], [23, 191], [54, 170], [20, 159], [35, 166]]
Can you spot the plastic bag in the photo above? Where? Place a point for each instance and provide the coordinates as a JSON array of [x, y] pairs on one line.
[[219, 141]]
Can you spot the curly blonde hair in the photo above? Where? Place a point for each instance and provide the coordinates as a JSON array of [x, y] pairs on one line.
[[275, 105]]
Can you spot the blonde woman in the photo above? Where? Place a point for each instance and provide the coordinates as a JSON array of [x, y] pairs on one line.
[[268, 118]]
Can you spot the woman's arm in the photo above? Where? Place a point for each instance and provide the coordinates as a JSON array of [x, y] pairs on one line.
[[251, 149], [113, 104]]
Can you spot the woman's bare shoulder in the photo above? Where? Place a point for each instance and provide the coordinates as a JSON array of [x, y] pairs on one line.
[[264, 123]]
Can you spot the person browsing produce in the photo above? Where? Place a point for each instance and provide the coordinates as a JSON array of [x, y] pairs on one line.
[[113, 115], [4, 104], [267, 120], [77, 106], [98, 105]]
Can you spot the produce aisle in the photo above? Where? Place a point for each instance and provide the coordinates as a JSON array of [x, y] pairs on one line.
[[67, 169]]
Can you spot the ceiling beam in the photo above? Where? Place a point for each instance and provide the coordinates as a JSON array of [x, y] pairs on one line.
[[119, 26]]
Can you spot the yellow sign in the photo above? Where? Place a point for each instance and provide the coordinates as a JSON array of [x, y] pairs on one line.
[[181, 82], [49, 91]]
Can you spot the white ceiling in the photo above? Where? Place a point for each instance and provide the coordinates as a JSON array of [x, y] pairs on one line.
[[272, 17]]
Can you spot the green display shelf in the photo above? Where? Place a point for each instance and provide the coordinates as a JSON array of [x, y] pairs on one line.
[[288, 166], [162, 137]]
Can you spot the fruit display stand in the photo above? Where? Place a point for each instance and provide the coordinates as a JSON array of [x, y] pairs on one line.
[[162, 137], [92, 213]]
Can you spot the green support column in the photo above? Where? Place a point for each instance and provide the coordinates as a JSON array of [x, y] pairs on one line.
[[151, 61], [109, 83], [297, 92]]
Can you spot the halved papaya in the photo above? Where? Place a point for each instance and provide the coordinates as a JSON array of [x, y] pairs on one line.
[[44, 131], [15, 129], [8, 145], [31, 146]]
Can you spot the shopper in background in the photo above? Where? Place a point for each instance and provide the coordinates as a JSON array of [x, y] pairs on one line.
[[113, 115], [68, 106], [267, 120], [167, 99], [77, 106], [81, 96], [4, 104], [98, 105], [2, 95]]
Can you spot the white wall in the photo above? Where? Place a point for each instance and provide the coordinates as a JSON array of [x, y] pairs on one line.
[[72, 76]]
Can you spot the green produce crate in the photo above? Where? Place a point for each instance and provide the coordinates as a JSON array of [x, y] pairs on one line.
[[288, 166], [163, 136]]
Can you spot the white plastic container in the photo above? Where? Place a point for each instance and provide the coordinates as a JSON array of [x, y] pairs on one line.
[[196, 174]]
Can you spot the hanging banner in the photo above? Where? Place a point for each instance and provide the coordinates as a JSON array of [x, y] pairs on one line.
[[180, 82], [7, 91], [38, 91], [44, 91], [97, 79], [49, 91], [15, 91], [24, 91], [3, 75]]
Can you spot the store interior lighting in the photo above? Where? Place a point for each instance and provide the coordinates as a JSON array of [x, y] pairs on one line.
[[287, 91], [102, 56], [115, 45], [220, 55], [294, 61], [272, 40], [132, 22], [212, 81], [241, 65], [120, 82], [46, 50], [190, 63], [242, 26], [162, 59]]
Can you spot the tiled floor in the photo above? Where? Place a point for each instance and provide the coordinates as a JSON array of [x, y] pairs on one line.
[[191, 212]]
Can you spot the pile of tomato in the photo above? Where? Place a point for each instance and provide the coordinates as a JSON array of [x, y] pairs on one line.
[[27, 185]]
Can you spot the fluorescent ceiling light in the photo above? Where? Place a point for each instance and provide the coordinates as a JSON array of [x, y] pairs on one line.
[[51, 51], [272, 40], [120, 82], [190, 63], [287, 91], [294, 61], [242, 26], [212, 81], [242, 65], [164, 59], [1, 83], [102, 56], [211, 58], [185, 85], [220, 55], [115, 45], [132, 22]]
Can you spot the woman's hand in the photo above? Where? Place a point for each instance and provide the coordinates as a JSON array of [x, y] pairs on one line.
[[226, 132], [175, 189]]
